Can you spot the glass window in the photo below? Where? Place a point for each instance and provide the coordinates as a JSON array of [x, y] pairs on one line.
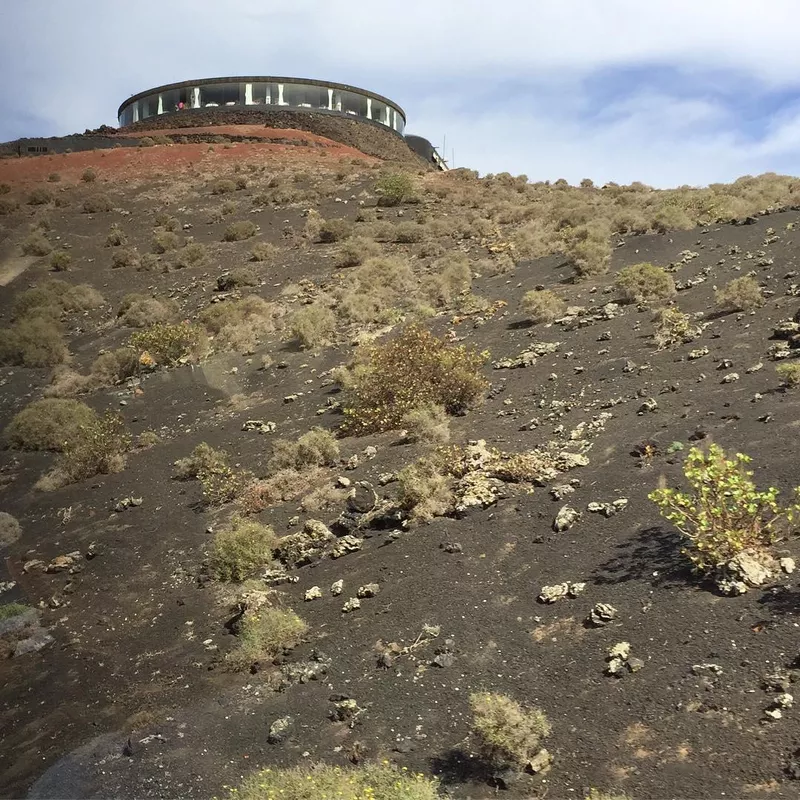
[[149, 106], [175, 100], [380, 112], [222, 94], [265, 94], [354, 104], [305, 96], [126, 117], [399, 122]]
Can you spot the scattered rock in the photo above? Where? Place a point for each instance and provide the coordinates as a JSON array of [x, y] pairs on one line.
[[351, 605], [63, 563], [565, 519], [337, 587], [647, 406], [749, 568], [259, 426], [561, 491], [608, 509], [601, 614], [312, 594], [306, 545], [343, 482], [278, 729], [451, 547], [346, 544], [730, 377], [368, 590], [550, 594], [787, 565], [540, 762]]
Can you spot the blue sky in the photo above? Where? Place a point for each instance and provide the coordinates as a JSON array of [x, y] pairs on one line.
[[667, 92]]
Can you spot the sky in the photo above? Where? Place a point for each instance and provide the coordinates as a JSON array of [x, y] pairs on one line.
[[668, 92]]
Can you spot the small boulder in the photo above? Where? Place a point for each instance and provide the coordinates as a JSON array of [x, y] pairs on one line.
[[565, 519]]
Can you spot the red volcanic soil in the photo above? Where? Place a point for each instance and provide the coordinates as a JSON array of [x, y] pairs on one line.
[[142, 162]]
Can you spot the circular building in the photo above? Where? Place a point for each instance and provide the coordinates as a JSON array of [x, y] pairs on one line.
[[324, 107]]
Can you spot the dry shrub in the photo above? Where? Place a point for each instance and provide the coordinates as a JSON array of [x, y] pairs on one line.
[[169, 344], [60, 260], [279, 487], [48, 424], [264, 636], [451, 276], [588, 247], [428, 424], [789, 374], [194, 254], [410, 370], [33, 342], [238, 325], [99, 449], [8, 205], [89, 175], [356, 250], [239, 276], [166, 241], [671, 218], [313, 326], [204, 458], [510, 734], [542, 305], [96, 204], [146, 141], [263, 251], [644, 283], [239, 231], [741, 294], [116, 236], [335, 230], [382, 781], [425, 489], [167, 222], [141, 310], [113, 367], [240, 549], [371, 291], [125, 257], [36, 244], [316, 448], [10, 529], [223, 186], [40, 196], [409, 233], [223, 484], [147, 439], [323, 498]]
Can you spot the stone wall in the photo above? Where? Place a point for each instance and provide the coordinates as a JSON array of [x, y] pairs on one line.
[[370, 138]]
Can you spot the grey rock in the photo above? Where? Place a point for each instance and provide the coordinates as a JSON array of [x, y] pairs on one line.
[[351, 605], [565, 519], [444, 660], [368, 590], [278, 730], [601, 614], [647, 406], [337, 587], [259, 426], [39, 639], [540, 762], [346, 544], [749, 569], [362, 499]]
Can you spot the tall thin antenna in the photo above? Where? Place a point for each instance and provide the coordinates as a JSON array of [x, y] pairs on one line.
[[444, 147], [453, 158]]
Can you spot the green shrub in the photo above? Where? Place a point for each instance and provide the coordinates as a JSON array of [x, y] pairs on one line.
[[644, 283], [33, 342], [141, 310], [60, 260], [222, 484], [724, 513], [204, 458], [9, 610], [125, 257], [166, 241], [316, 448], [240, 549], [394, 188], [263, 251], [789, 374], [40, 197], [313, 325], [169, 344], [510, 734], [48, 424], [239, 231], [36, 244], [96, 204], [265, 635], [542, 306], [99, 449], [147, 439], [408, 371], [365, 782], [356, 250], [741, 294], [89, 175], [672, 327]]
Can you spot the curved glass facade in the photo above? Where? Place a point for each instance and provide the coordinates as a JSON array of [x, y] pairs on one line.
[[256, 92]]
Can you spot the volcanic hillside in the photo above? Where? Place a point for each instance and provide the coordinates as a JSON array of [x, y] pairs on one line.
[[295, 440]]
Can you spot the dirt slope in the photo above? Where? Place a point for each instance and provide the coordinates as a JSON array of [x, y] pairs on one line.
[[133, 699]]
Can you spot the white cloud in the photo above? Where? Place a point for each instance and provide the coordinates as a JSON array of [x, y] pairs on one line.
[[509, 81]]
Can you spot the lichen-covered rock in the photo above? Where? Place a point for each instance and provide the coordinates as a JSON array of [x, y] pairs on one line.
[[337, 587], [476, 490], [601, 614], [565, 519], [550, 594], [278, 730], [306, 545], [368, 590], [608, 509], [312, 594], [351, 605], [346, 544], [754, 569]]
